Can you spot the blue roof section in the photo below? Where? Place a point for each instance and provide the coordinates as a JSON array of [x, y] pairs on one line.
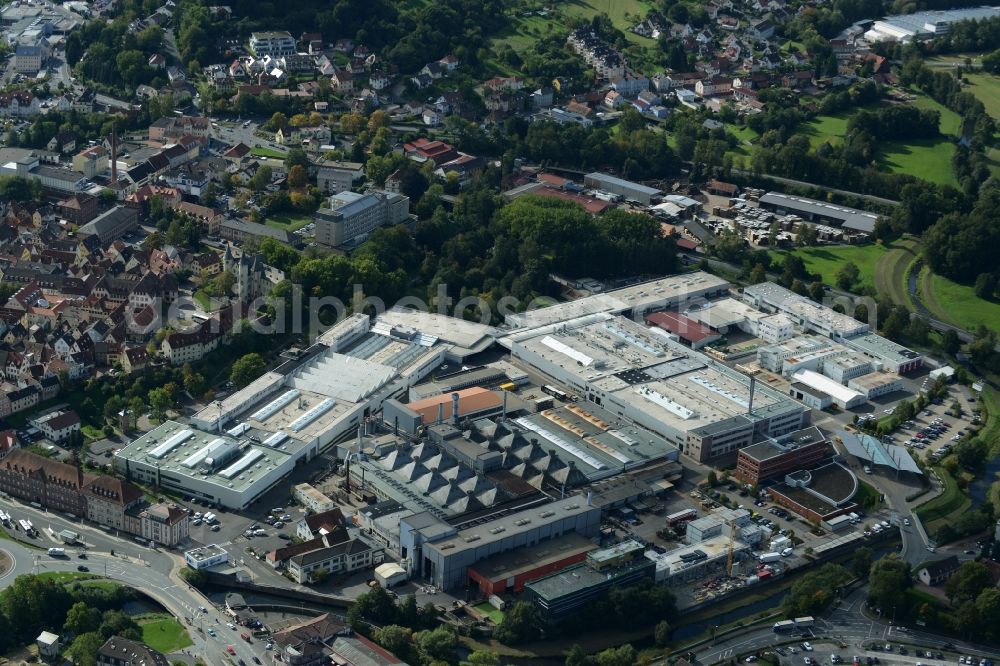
[[872, 450]]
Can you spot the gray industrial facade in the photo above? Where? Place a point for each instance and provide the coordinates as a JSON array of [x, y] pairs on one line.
[[434, 550]]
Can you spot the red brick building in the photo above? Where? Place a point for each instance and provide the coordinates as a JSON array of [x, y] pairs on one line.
[[511, 571], [52, 484], [819, 494], [773, 459]]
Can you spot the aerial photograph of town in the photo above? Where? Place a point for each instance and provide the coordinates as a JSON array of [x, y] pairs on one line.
[[499, 332]]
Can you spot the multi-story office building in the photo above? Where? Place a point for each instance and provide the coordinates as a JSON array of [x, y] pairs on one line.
[[352, 217]]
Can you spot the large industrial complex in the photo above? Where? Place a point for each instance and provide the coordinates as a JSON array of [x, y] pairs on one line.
[[499, 478], [925, 25]]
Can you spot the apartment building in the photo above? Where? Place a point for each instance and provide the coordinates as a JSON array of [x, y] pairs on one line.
[[275, 43]]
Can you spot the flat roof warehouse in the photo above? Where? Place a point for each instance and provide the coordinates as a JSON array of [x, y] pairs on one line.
[[849, 218], [672, 291]]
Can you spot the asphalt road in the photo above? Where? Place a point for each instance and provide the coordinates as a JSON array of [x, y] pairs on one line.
[[846, 624], [155, 572]]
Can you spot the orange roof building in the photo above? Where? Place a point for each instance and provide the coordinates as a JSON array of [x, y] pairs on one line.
[[472, 402]]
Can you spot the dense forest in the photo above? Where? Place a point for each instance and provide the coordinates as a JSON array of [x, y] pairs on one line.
[[407, 37]]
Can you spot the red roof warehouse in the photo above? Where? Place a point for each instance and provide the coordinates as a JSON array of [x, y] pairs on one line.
[[694, 333]]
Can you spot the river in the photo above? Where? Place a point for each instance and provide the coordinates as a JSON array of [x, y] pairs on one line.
[[980, 488], [687, 631]]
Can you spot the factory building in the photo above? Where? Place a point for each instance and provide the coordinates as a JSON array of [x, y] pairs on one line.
[[817, 494], [510, 572], [226, 470], [470, 403], [637, 375], [728, 313], [876, 384], [675, 292], [563, 594], [887, 355], [695, 561], [620, 187], [819, 211], [441, 553], [845, 367], [925, 25], [807, 314], [773, 357], [843, 397], [287, 416]]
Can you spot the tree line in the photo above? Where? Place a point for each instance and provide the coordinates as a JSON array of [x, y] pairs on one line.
[[89, 613], [485, 249], [974, 603], [408, 36]]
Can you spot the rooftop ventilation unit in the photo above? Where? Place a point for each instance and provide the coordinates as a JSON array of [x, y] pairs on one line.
[[238, 430], [272, 408], [246, 461], [276, 439], [171, 444], [210, 451], [313, 414]]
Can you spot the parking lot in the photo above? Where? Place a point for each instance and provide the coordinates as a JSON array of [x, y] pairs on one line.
[[936, 428]]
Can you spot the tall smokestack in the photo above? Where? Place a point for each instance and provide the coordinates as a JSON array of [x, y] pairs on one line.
[[361, 437], [504, 404], [440, 412], [753, 385], [454, 408], [114, 155]]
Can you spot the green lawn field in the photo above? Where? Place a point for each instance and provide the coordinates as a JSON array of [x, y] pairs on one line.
[[827, 129], [951, 122], [267, 152], [64, 576], [743, 133], [288, 221], [986, 88], [623, 14], [945, 507], [489, 611], [891, 271], [929, 159], [164, 634], [957, 303], [827, 260], [523, 32]]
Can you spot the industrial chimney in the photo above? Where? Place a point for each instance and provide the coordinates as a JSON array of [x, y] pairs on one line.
[[440, 412], [753, 385], [454, 408]]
